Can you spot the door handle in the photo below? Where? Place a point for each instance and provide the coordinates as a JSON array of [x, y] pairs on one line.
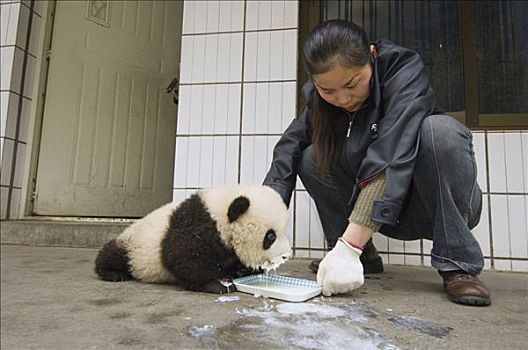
[[173, 88]]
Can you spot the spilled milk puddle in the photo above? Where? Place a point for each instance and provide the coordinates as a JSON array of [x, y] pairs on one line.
[[310, 325]]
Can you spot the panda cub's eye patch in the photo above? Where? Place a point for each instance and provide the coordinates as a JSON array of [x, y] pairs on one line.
[[269, 238]]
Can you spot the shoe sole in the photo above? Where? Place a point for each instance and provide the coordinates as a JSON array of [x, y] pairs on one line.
[[470, 300]]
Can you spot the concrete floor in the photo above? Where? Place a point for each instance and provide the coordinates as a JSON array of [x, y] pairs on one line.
[[51, 299]]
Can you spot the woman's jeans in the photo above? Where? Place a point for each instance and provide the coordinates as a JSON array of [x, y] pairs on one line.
[[443, 204]]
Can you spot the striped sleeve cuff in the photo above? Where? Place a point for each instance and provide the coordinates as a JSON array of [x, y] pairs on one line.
[[361, 214]]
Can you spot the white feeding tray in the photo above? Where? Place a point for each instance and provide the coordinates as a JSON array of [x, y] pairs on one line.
[[278, 287]]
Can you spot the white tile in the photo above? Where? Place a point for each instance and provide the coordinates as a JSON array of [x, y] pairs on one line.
[[259, 159], [427, 245], [20, 165], [209, 109], [413, 260], [206, 161], [219, 160], [237, 15], [412, 246], [291, 10], [275, 108], [224, 16], [500, 226], [396, 246], [277, 14], [479, 147], [9, 23], [4, 194], [496, 162], [198, 59], [4, 112], [514, 162], [317, 239], [211, 58], [22, 28], [302, 220], [188, 16], [272, 141], [299, 184], [289, 97], [186, 61], [503, 265], [232, 154], [524, 136], [193, 159], [249, 108], [261, 108], [179, 196], [302, 254], [277, 53], [253, 162], [181, 162], [289, 66], [200, 17], [252, 14], [289, 227], [196, 113], [487, 264], [263, 55], [519, 265], [380, 242], [264, 14], [427, 261], [7, 162], [481, 231], [9, 130], [397, 259], [221, 107], [235, 57], [184, 109], [213, 11], [246, 161], [223, 58], [250, 57], [7, 55], [518, 219], [233, 112]]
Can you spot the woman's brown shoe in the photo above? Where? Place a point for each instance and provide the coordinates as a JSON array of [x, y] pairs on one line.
[[465, 288]]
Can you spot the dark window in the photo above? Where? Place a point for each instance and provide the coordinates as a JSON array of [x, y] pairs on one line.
[[476, 52]]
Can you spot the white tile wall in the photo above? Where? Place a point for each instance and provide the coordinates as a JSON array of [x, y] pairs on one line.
[[255, 102]]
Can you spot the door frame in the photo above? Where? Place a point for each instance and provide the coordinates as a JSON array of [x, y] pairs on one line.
[[36, 115], [29, 178]]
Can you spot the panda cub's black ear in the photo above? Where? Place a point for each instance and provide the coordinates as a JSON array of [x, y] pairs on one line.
[[238, 207]]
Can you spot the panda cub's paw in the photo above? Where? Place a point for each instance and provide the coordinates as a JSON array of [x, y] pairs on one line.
[[219, 287]]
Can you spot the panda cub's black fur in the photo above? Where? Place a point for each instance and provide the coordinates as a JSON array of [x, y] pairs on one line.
[[215, 235]]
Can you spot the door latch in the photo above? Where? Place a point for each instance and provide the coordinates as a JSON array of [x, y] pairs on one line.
[[173, 88]]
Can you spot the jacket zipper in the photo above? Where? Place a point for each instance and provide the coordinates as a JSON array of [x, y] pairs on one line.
[[351, 118]]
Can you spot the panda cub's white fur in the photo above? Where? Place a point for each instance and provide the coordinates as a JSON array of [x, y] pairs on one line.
[[211, 235]]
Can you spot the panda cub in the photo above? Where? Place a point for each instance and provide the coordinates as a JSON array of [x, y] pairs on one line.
[[216, 234]]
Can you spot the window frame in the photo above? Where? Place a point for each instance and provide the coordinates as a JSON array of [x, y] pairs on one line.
[[312, 11]]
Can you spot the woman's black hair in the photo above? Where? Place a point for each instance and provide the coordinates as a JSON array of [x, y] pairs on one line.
[[335, 42], [331, 43]]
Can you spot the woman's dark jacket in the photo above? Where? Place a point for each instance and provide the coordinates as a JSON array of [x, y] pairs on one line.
[[384, 135]]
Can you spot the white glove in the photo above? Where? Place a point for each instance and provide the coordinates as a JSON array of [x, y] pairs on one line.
[[341, 270]]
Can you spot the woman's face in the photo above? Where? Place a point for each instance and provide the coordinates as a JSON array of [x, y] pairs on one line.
[[346, 88]]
